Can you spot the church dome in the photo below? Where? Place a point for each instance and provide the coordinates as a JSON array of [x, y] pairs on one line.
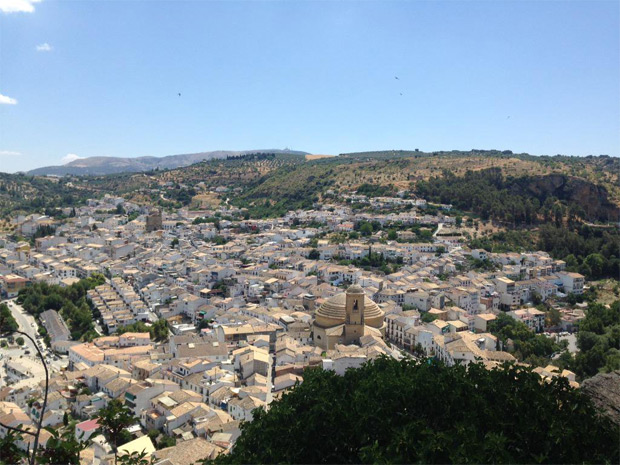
[[333, 311]]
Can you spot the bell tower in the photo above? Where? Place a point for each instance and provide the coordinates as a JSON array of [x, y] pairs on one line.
[[354, 320]]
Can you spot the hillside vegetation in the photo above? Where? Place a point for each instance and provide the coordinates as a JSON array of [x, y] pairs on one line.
[[588, 184], [114, 165], [28, 194], [295, 181], [423, 412], [521, 200]]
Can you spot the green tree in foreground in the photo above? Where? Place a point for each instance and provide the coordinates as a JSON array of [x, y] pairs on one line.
[[63, 447], [113, 419], [407, 411], [135, 458], [10, 453]]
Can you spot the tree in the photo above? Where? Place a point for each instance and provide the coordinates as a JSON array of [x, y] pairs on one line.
[[20, 341], [528, 346], [553, 317], [10, 452], [597, 263], [7, 322], [134, 458], [392, 235], [314, 254], [159, 330], [598, 340], [63, 447], [166, 441], [113, 419], [366, 229], [174, 242], [536, 298], [410, 411]]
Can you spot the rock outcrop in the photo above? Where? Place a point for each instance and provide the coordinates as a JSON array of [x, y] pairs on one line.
[[604, 390]]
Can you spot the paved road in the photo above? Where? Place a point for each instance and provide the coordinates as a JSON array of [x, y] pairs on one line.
[[24, 321], [572, 342]]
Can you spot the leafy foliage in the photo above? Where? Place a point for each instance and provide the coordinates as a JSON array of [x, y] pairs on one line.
[[11, 453], [70, 301], [528, 346], [522, 200], [7, 322], [376, 190], [113, 419], [134, 458], [591, 251], [29, 194], [63, 447], [159, 330], [290, 187], [598, 341], [407, 411]]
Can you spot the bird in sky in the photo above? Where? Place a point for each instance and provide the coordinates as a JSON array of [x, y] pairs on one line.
[[401, 93], [508, 117], [179, 94], [396, 77]]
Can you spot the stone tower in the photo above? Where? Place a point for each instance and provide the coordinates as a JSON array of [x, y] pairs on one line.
[[154, 221], [354, 319]]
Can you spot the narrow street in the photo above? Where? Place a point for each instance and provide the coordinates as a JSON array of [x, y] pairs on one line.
[[28, 325], [26, 322]]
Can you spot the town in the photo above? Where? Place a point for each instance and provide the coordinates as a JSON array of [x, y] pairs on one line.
[[193, 319]]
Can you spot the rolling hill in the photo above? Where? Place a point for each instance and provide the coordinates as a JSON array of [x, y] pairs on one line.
[[113, 165]]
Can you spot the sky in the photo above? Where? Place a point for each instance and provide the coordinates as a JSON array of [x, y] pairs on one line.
[[102, 78]]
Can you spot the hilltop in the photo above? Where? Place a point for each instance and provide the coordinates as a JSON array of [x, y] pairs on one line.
[[590, 182], [498, 185], [113, 165]]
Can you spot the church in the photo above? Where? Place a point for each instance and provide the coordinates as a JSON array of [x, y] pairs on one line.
[[346, 317]]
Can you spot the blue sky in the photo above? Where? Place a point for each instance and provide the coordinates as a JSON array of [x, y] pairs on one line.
[[95, 78]]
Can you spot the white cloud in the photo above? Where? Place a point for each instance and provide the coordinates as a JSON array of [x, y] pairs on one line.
[[4, 100], [43, 47], [9, 153], [68, 158], [17, 6]]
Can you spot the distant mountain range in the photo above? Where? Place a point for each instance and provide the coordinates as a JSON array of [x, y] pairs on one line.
[[112, 165]]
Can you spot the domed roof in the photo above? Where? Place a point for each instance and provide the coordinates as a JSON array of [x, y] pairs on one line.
[[333, 311]]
